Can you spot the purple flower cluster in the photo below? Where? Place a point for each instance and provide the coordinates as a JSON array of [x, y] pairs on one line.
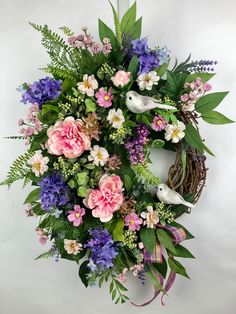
[[202, 66], [103, 250], [54, 191], [42, 91], [135, 145]]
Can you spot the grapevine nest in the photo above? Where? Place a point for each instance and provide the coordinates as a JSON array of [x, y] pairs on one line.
[[190, 178]]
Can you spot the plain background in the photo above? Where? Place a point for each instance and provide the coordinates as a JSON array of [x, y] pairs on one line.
[[206, 28]]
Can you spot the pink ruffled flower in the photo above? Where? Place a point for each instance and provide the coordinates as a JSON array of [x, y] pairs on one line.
[[107, 198], [66, 138], [158, 123], [133, 222], [121, 78], [76, 215], [104, 98]]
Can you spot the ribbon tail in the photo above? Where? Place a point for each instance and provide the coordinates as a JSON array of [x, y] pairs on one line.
[[168, 285]]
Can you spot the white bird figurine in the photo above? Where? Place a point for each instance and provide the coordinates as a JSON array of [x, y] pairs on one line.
[[168, 196], [139, 104]]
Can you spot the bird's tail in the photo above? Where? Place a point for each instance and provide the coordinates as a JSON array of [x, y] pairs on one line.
[[188, 204]]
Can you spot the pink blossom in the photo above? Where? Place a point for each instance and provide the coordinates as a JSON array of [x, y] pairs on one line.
[[20, 122], [104, 98], [43, 237], [207, 87], [107, 198], [133, 222], [122, 277], [121, 78], [66, 138], [158, 123], [184, 97], [76, 215]]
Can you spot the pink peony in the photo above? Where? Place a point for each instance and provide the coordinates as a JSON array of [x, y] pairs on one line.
[[133, 221], [158, 123], [76, 215], [107, 198], [121, 78], [66, 138], [104, 98]]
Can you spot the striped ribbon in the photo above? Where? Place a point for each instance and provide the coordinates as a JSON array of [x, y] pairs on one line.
[[155, 257], [178, 233]]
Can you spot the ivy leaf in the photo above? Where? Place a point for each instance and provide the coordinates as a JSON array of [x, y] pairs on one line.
[[165, 240], [192, 137], [117, 232], [128, 20], [215, 117], [83, 272], [137, 29], [148, 238], [209, 102], [205, 77], [33, 196], [133, 66], [181, 251], [106, 32], [177, 267]]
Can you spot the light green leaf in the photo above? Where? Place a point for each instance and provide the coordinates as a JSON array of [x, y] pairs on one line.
[[148, 238], [33, 196], [133, 66], [177, 267], [128, 20], [209, 102], [46, 108], [192, 137], [157, 143], [165, 240], [206, 149], [117, 25], [90, 105], [162, 69], [117, 233], [82, 191], [215, 117], [106, 32], [204, 77], [152, 275], [183, 161], [181, 251], [82, 178], [137, 29]]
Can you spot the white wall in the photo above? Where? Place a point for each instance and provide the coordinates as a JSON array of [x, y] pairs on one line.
[[207, 29]]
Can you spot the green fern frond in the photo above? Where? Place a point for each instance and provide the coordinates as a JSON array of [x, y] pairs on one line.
[[60, 73], [26, 181], [67, 31], [44, 255], [144, 172], [18, 169]]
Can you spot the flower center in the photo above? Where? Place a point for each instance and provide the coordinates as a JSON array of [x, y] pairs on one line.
[[37, 166], [87, 84], [106, 97], [132, 222], [116, 119], [159, 122], [77, 215], [99, 155], [147, 78], [175, 133]]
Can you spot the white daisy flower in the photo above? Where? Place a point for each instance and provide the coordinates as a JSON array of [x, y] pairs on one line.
[[175, 133], [116, 118], [88, 85], [147, 80], [99, 155], [151, 217], [39, 164]]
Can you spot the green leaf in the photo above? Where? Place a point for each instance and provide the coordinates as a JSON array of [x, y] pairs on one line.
[[82, 191], [204, 77], [90, 105], [137, 29], [128, 20], [192, 137], [174, 84], [82, 178], [128, 182], [181, 251], [37, 210], [181, 209], [33, 196], [151, 274], [162, 69], [206, 149], [183, 161], [133, 66], [209, 102], [148, 238], [106, 32], [177, 267], [165, 240], [215, 117], [117, 232], [46, 108], [117, 25], [178, 225], [162, 268], [157, 143], [83, 272]]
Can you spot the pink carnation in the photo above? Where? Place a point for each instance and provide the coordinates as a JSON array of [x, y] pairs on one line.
[[104, 98], [158, 123], [107, 198], [133, 222], [76, 215], [67, 138], [121, 78]]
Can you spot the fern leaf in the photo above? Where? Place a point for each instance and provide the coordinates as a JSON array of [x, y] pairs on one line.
[[67, 31], [146, 174], [44, 255], [60, 73]]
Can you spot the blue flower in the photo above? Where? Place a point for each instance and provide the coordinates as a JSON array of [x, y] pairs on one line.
[[103, 250], [54, 191], [42, 91], [163, 55]]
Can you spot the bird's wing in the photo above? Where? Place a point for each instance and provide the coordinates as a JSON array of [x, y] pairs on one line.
[[150, 100], [174, 195]]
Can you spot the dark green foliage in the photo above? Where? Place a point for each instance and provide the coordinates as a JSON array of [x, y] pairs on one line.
[[174, 84]]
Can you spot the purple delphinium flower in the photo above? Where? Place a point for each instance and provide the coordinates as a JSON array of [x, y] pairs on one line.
[[135, 145], [42, 91], [54, 191], [102, 250]]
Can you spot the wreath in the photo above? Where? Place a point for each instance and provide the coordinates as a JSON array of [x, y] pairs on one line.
[[90, 128]]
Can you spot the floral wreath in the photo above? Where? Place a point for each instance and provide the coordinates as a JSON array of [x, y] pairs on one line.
[[90, 129]]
